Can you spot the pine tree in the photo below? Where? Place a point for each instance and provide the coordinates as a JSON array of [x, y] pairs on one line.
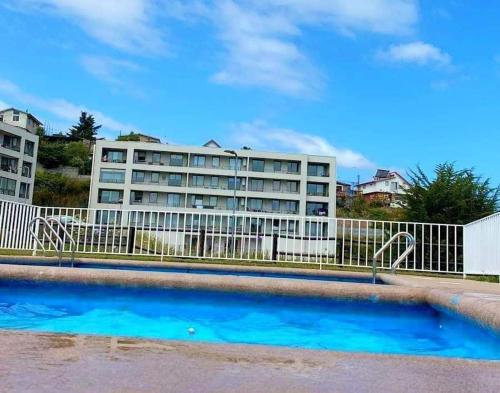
[[85, 129]]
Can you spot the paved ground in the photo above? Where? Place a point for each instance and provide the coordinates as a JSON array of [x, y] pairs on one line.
[[42, 363]]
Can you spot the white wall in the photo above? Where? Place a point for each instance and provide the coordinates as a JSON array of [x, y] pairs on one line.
[[482, 246]]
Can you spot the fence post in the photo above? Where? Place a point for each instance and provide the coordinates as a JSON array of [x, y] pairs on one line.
[[201, 249], [274, 253], [131, 240]]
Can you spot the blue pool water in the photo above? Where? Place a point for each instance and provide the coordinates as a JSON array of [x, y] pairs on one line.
[[221, 317], [220, 272]]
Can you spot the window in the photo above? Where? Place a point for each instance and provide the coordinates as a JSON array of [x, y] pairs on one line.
[[199, 161], [230, 183], [153, 197], [156, 157], [277, 185], [255, 205], [317, 189], [1, 117], [258, 165], [176, 160], [175, 179], [173, 200], [136, 196], [215, 162], [111, 176], [11, 142], [316, 209], [118, 156], [155, 177], [198, 181], [232, 163], [140, 156], [214, 182], [8, 164], [394, 186], [317, 170], [138, 176], [293, 186], [26, 170], [24, 190], [275, 205], [256, 185], [293, 167], [197, 201], [29, 148], [212, 201], [7, 186], [291, 206], [277, 166], [230, 203], [110, 196], [15, 116]]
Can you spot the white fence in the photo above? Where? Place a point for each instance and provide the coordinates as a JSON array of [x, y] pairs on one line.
[[244, 236], [482, 246]]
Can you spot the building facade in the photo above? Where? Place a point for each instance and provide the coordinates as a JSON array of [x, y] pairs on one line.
[[146, 176], [18, 154]]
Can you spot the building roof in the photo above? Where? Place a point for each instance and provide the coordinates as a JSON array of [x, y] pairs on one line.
[[382, 174], [212, 143], [344, 183], [391, 175], [29, 114]]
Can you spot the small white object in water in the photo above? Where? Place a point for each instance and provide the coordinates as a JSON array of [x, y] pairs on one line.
[[191, 331]]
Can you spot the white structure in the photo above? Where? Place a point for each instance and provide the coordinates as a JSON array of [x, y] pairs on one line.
[[386, 186], [18, 152], [154, 176]]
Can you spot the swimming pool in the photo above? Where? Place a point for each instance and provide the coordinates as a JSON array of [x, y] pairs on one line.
[[227, 317], [247, 272]]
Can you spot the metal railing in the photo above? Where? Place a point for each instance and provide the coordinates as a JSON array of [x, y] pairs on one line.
[[165, 232], [410, 247]]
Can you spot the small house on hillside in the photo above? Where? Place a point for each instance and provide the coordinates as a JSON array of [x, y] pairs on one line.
[[386, 186]]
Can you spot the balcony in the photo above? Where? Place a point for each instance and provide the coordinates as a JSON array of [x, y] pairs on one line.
[[317, 194], [11, 146], [10, 169]]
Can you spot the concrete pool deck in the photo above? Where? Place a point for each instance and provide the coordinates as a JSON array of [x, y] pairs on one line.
[[33, 362]]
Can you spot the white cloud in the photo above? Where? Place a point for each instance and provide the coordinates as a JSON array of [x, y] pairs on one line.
[[106, 68], [123, 24], [4, 105], [417, 52], [260, 37], [377, 16], [262, 136], [259, 52], [60, 108]]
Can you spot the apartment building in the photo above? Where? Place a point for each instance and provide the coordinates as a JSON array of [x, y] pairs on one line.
[[18, 152], [154, 176]]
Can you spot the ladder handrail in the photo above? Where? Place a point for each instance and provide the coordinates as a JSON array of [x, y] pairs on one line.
[[68, 235], [33, 221], [410, 239]]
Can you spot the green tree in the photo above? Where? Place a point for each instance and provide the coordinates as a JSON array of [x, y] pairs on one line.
[[454, 196], [51, 155], [86, 129], [76, 154]]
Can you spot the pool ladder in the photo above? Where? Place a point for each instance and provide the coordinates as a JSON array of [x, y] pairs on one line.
[[410, 247], [52, 231]]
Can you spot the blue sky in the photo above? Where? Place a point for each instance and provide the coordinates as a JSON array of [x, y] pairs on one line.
[[377, 83]]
